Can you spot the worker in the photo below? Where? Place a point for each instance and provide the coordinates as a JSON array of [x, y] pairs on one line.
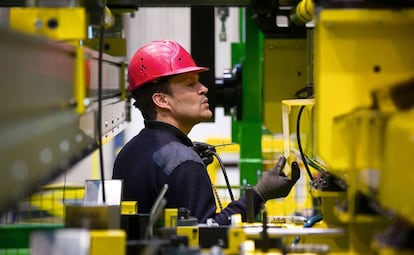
[[164, 81]]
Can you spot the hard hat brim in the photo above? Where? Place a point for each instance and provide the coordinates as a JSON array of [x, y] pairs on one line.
[[189, 69]]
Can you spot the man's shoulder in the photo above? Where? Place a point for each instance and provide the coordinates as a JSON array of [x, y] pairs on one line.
[[173, 154]]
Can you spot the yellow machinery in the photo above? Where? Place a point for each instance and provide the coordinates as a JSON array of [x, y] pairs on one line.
[[63, 97], [358, 130], [357, 133], [364, 124], [59, 109]]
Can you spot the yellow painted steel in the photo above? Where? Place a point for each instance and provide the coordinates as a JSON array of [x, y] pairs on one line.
[[397, 178], [304, 10], [290, 112], [359, 144], [285, 70], [107, 242], [357, 51], [112, 46], [170, 217], [274, 146], [55, 23], [129, 207], [51, 201], [392, 251], [80, 78], [95, 165], [236, 236], [192, 232], [62, 24]]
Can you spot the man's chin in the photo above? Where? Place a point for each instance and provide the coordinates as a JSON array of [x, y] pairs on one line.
[[206, 116], [209, 115]]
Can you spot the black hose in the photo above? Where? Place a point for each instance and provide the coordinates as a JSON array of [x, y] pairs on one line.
[[226, 179], [99, 118], [302, 154]]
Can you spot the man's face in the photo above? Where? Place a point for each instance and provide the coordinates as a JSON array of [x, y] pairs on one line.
[[188, 100]]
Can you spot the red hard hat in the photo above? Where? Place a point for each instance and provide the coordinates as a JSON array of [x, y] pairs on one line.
[[159, 59]]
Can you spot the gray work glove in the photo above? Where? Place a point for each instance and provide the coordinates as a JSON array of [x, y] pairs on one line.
[[274, 183]]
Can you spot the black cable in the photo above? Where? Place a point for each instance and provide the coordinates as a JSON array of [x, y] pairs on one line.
[[224, 174], [206, 153], [99, 118], [316, 201], [316, 164], [302, 154]]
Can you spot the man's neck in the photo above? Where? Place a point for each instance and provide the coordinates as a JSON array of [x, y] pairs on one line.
[[184, 128]]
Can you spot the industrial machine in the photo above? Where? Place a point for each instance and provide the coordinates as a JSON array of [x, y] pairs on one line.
[[364, 87], [64, 97], [334, 79]]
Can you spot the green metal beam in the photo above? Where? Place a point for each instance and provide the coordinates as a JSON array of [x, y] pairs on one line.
[[248, 131], [17, 236]]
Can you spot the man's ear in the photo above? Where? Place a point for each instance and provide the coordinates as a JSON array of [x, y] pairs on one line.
[[160, 100]]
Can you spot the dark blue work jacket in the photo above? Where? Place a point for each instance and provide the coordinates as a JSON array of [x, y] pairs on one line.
[[161, 154]]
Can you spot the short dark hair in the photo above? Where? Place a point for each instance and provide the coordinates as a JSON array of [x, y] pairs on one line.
[[143, 96]]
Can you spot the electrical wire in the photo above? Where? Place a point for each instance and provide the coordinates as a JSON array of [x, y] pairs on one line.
[[316, 201], [226, 179], [206, 153], [99, 118], [302, 154], [100, 98], [317, 165]]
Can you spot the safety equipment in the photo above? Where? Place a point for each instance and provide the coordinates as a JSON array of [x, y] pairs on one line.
[[158, 59], [274, 183]]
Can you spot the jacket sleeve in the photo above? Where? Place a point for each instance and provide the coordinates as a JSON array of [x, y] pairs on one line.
[[191, 187], [238, 207]]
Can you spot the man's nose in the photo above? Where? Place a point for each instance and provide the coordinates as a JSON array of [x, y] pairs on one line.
[[203, 89]]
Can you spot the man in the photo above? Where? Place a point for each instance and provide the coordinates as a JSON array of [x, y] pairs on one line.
[[164, 81]]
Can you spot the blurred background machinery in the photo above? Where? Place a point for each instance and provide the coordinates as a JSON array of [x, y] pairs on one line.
[[64, 97], [327, 83]]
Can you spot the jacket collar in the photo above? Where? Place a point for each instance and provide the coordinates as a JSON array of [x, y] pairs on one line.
[[162, 126]]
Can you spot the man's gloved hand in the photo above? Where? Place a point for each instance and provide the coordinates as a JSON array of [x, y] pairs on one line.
[[274, 183]]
